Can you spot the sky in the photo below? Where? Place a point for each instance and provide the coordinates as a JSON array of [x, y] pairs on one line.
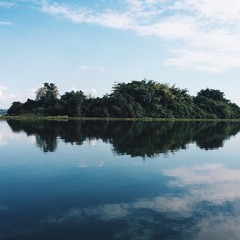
[[89, 45]]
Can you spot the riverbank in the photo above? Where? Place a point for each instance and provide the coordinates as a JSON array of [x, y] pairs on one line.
[[66, 118]]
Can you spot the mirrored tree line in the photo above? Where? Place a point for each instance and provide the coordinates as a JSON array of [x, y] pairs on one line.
[[134, 138]]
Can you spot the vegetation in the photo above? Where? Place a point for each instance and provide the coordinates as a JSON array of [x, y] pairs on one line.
[[137, 99]]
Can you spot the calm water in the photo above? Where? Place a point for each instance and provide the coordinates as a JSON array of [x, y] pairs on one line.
[[119, 180]]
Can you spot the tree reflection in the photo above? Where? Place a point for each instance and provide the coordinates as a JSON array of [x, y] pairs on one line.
[[134, 138]]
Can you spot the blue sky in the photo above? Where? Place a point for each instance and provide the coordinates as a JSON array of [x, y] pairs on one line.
[[89, 45]]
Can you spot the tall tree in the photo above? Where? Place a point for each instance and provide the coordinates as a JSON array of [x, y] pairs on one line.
[[47, 92], [73, 102]]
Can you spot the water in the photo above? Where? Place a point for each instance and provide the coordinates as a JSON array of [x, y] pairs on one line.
[[119, 180]]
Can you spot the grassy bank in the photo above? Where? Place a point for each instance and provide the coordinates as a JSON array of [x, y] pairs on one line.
[[66, 118]]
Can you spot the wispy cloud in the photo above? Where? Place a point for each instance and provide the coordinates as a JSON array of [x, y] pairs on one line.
[[85, 68], [4, 97], [6, 4], [4, 23], [207, 32], [101, 69], [223, 10], [7, 98]]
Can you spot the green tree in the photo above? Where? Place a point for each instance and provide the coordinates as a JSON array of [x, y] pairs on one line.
[[213, 104], [15, 108], [47, 92], [72, 102]]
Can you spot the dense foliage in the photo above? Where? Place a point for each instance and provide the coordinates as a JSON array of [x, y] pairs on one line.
[[130, 100]]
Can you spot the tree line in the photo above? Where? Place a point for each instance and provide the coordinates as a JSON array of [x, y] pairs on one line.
[[137, 99]]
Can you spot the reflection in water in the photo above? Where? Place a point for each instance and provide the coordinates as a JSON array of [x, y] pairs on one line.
[[145, 139], [208, 208], [182, 199], [5, 133]]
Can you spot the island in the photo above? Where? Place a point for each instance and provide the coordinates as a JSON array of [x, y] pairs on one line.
[[137, 99]]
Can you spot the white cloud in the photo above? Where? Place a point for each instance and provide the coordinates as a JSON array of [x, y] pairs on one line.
[[223, 10], [203, 60], [206, 32], [91, 91], [101, 69], [7, 98], [73, 89], [82, 166], [176, 27], [83, 68], [32, 92]]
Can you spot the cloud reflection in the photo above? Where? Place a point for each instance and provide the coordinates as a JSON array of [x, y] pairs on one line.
[[213, 182], [202, 202], [6, 134], [207, 207]]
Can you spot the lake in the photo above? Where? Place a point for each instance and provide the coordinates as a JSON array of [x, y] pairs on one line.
[[102, 180]]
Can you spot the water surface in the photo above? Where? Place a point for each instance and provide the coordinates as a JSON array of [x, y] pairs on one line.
[[119, 180]]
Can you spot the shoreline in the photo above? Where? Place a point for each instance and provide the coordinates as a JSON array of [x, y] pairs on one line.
[[66, 118]]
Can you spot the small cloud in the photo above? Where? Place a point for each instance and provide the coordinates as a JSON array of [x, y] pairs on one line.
[[91, 91], [73, 89], [101, 69], [101, 164], [83, 68], [92, 142], [82, 166], [5, 97], [3, 23], [32, 92], [32, 139]]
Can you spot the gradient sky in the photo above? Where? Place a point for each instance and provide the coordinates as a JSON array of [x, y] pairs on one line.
[[88, 45]]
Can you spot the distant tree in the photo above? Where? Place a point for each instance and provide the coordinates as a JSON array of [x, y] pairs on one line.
[[213, 104], [73, 102], [15, 108], [47, 92]]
